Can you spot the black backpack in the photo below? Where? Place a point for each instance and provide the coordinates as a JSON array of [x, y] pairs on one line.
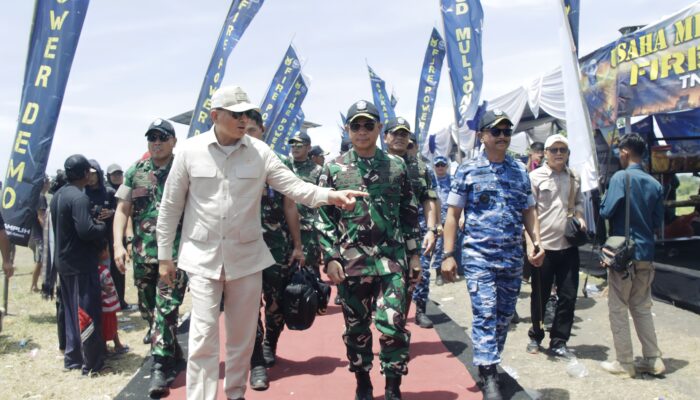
[[300, 299]]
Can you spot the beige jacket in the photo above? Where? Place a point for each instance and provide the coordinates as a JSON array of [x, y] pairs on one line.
[[220, 197]]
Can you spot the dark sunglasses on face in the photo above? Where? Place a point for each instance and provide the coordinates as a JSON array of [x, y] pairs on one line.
[[495, 132], [238, 115], [163, 137], [560, 150], [297, 145], [400, 132], [441, 164], [369, 126]]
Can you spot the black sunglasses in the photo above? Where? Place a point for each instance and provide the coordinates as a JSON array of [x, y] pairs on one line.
[[495, 132], [560, 150], [441, 164], [400, 132], [153, 136], [369, 126], [239, 114]]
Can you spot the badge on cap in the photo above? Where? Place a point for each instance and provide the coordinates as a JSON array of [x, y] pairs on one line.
[[361, 105], [157, 122], [241, 97], [497, 112], [400, 120]]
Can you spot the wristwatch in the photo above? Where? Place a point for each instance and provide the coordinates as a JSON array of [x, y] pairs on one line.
[[448, 254]]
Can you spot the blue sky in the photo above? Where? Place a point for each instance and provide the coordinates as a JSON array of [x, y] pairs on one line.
[[139, 60]]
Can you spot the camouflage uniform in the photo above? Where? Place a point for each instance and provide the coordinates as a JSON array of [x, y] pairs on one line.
[[372, 242], [158, 303], [308, 171], [493, 196], [275, 277], [423, 188]]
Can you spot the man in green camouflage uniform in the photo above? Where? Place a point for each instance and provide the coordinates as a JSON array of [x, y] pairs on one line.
[[368, 247], [280, 223], [139, 198], [309, 171], [397, 138]]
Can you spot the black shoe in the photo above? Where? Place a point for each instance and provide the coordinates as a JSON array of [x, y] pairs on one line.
[[269, 354], [338, 301], [364, 386], [147, 338], [258, 378], [438, 277], [422, 320], [489, 382], [533, 347], [515, 319], [159, 382], [392, 390], [561, 351]]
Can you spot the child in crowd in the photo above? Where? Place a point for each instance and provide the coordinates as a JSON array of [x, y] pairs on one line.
[[110, 305]]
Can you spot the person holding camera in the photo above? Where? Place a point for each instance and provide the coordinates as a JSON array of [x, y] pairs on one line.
[[554, 186], [494, 191], [366, 250], [77, 237], [631, 290]]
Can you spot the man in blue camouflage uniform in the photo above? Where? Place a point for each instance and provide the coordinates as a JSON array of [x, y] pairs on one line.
[[397, 135], [367, 248], [280, 225], [494, 191]]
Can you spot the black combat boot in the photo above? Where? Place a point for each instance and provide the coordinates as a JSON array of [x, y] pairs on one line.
[[269, 350], [147, 337], [159, 378], [364, 386], [489, 382], [422, 320], [258, 378], [392, 389]]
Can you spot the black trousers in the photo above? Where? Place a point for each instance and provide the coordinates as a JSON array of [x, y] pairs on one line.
[[560, 266], [85, 348]]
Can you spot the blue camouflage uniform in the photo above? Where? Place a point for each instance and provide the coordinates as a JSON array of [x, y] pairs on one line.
[[443, 185], [493, 196]]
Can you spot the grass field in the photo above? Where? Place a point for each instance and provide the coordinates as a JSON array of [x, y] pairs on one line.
[[31, 367]]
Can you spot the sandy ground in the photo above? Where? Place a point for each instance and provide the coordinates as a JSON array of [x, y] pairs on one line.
[[544, 377]]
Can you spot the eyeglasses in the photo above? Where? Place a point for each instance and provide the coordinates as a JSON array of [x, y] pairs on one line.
[[369, 126], [559, 150], [238, 115], [495, 132], [441, 164], [153, 136], [297, 145]]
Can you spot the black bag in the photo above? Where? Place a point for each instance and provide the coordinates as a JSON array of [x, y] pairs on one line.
[[618, 251], [300, 299], [323, 291], [572, 231]]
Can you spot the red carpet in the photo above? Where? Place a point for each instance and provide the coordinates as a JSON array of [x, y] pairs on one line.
[[312, 365]]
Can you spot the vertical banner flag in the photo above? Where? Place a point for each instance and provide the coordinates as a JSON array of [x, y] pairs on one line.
[[578, 122], [237, 20], [381, 100], [343, 132], [282, 82], [428, 85], [279, 128], [572, 12], [296, 123], [54, 38], [463, 20]]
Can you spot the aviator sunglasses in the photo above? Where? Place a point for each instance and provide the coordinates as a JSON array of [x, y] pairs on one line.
[[369, 126], [495, 132], [560, 150], [153, 136]]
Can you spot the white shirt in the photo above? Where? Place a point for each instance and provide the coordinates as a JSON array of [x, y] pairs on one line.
[[219, 194]]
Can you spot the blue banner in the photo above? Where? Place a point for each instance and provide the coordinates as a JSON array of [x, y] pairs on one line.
[[282, 82], [278, 131], [53, 41], [237, 20], [573, 8], [381, 100], [463, 20], [296, 123], [427, 88]]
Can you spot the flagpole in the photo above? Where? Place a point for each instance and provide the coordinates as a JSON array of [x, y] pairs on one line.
[[586, 114], [452, 90]]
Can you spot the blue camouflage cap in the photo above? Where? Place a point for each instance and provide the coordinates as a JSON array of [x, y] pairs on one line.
[[440, 159]]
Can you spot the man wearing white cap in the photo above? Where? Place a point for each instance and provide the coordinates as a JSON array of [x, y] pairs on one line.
[[216, 181], [556, 198]]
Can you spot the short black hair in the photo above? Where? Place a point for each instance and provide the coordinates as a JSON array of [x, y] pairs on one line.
[[256, 117], [537, 146], [633, 142]]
